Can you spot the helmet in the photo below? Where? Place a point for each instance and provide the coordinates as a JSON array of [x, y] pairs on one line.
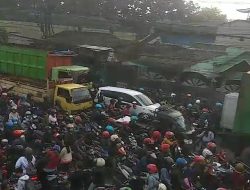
[[211, 145], [198, 159], [240, 168], [205, 110], [100, 162], [218, 104], [13, 108], [189, 95], [181, 162], [113, 138], [78, 120], [189, 105], [70, 125], [169, 134], [18, 133], [156, 134], [110, 129], [162, 187], [111, 120], [28, 113], [121, 151], [198, 101], [105, 134], [9, 124], [152, 168], [147, 141], [165, 147], [98, 106], [206, 153], [5, 141], [173, 95], [221, 188]]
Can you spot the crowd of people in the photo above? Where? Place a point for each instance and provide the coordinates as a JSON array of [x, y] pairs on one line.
[[43, 147]]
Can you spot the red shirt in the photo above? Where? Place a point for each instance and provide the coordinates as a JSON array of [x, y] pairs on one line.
[[238, 180], [54, 160]]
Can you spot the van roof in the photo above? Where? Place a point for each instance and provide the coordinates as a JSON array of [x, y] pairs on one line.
[[123, 90], [70, 86]]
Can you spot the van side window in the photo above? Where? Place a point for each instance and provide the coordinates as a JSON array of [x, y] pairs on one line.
[[63, 93], [110, 94], [127, 98]]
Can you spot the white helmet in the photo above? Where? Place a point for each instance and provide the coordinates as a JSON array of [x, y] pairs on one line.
[[100, 162], [173, 95], [162, 187], [198, 101], [206, 153], [113, 138], [70, 126]]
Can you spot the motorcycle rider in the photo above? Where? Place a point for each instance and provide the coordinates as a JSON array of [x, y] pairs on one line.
[[209, 151], [22, 180], [169, 138], [153, 178]]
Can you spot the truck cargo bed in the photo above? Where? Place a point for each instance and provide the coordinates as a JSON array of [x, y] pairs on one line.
[[23, 86]]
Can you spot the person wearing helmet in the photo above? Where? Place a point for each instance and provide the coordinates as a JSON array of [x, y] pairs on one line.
[[162, 187], [209, 150], [156, 137], [178, 173], [66, 157], [14, 115], [153, 178], [53, 118], [98, 115], [206, 136], [169, 138], [238, 177], [105, 141], [26, 162], [99, 172]]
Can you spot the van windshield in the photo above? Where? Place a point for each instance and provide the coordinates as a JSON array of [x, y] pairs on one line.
[[144, 100], [80, 95]]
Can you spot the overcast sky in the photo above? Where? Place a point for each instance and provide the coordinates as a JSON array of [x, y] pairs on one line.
[[228, 7]]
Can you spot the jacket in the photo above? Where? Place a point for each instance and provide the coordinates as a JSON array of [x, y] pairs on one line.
[[21, 182], [153, 181]]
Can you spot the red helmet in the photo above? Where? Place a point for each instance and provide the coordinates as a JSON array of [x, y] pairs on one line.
[[198, 159], [147, 141], [105, 134], [78, 120], [211, 145], [110, 120], [18, 133], [205, 110], [165, 147], [169, 134], [156, 135], [152, 168]]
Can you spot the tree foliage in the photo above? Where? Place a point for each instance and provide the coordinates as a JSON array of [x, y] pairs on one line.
[[210, 14], [128, 10]]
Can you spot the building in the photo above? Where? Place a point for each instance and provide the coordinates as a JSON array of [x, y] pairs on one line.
[[234, 34]]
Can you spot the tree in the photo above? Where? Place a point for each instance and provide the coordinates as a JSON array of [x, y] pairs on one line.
[[210, 14]]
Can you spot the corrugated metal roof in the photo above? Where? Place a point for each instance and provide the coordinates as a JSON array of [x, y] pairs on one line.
[[222, 63]]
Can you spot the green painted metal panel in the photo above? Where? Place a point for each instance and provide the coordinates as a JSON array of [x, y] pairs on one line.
[[242, 119], [23, 62]]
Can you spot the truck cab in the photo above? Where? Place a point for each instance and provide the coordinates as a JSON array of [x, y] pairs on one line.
[[72, 97], [77, 74]]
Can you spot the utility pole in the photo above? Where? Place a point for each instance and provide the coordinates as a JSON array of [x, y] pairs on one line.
[[245, 11]]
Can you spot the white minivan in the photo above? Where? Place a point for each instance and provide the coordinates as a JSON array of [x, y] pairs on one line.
[[144, 104]]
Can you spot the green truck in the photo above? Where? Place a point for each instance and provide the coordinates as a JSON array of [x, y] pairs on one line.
[[44, 74]]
